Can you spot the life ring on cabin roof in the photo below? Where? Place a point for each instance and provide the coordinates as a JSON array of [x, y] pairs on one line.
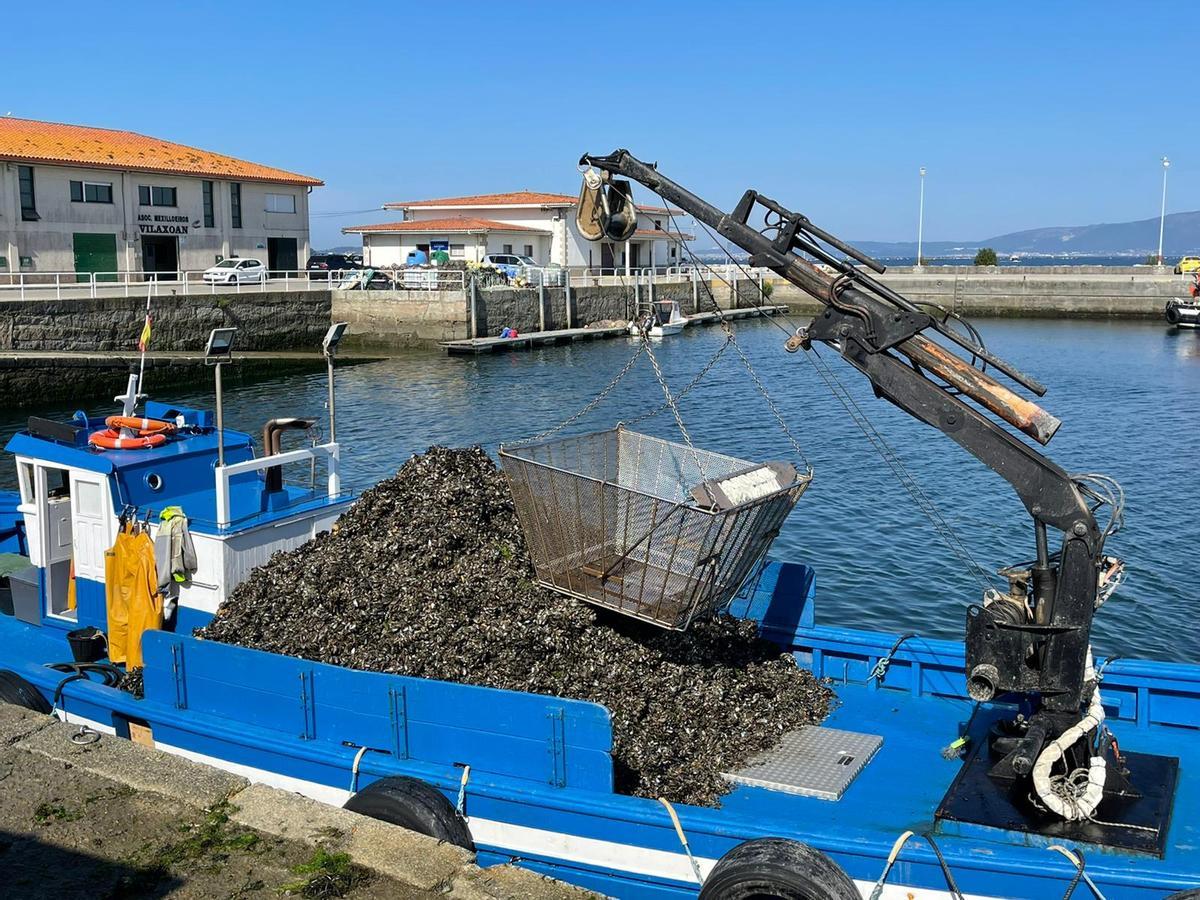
[[147, 433], [143, 427], [111, 439]]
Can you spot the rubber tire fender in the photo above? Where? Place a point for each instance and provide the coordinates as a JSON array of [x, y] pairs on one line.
[[1189, 894], [415, 805], [1173, 316], [20, 692], [777, 867]]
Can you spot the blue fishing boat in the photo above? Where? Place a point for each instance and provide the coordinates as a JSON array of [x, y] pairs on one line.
[[530, 777], [934, 776]]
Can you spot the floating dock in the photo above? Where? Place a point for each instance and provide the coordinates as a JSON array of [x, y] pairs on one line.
[[570, 335]]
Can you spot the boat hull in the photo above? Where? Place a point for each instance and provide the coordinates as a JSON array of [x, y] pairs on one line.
[[540, 786], [1183, 314]]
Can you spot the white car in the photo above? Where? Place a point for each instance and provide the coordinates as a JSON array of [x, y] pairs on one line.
[[236, 270]]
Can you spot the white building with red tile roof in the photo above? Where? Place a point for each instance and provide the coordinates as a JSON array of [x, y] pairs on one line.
[[524, 223], [74, 198]]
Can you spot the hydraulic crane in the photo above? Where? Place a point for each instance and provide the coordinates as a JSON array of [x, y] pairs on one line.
[[1029, 645]]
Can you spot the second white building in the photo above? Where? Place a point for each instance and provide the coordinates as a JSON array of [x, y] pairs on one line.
[[525, 223]]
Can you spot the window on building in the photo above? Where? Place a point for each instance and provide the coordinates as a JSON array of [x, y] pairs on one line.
[[507, 248], [673, 251], [658, 224], [153, 195], [91, 192], [281, 203], [529, 250], [28, 206], [206, 190], [235, 204], [458, 251]]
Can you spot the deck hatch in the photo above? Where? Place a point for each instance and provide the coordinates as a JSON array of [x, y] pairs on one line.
[[812, 761]]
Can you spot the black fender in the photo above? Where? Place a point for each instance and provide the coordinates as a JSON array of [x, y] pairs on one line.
[[415, 805], [777, 867], [1173, 316], [20, 692]]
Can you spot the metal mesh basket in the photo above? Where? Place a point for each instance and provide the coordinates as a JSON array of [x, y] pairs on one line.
[[644, 526]]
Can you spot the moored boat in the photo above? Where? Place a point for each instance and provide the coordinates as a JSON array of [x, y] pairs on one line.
[[1183, 313], [659, 319]]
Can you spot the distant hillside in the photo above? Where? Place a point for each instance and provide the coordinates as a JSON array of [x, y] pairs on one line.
[[1181, 235]]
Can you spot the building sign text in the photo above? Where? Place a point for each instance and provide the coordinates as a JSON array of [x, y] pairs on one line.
[[148, 223]]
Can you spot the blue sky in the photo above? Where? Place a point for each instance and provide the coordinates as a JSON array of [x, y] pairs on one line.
[[1024, 114]]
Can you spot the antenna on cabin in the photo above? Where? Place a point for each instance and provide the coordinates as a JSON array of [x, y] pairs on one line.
[[129, 399], [218, 352]]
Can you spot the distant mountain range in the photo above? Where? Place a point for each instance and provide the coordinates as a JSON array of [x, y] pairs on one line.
[[1181, 235]]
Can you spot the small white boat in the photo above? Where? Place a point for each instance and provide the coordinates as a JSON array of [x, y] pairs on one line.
[[659, 319], [1183, 313]]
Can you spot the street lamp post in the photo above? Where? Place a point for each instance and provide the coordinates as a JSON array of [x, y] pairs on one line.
[[921, 218], [1162, 217]]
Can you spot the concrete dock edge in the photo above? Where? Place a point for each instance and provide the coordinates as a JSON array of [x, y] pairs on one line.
[[412, 859]]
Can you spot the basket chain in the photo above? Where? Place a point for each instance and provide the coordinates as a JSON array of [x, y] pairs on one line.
[[671, 402], [595, 401]]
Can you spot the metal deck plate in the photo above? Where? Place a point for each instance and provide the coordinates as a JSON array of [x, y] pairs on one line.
[[813, 761]]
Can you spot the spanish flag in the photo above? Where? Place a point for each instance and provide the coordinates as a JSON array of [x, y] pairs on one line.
[[144, 340]]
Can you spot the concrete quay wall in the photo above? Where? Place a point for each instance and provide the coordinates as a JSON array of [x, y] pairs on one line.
[[402, 318], [268, 320], [1031, 292]]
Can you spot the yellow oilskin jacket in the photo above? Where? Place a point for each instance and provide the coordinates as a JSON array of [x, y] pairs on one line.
[[131, 591]]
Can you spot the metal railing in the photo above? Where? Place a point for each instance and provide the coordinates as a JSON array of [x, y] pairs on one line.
[[76, 285], [330, 452]]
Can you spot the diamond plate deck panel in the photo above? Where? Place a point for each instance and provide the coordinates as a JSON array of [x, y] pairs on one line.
[[812, 761]]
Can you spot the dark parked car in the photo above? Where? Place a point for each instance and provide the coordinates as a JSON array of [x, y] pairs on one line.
[[320, 265]]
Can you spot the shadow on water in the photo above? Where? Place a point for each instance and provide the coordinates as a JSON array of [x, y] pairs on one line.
[[1125, 391], [31, 869]]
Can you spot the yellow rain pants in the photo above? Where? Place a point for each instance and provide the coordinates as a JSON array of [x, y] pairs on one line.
[[131, 589]]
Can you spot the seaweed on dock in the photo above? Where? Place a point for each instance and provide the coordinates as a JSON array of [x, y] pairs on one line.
[[428, 575]]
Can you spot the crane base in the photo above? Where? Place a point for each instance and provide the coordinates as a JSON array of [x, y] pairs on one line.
[[1136, 821]]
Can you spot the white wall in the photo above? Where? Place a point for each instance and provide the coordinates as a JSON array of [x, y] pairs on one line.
[[50, 242], [564, 245], [392, 249]]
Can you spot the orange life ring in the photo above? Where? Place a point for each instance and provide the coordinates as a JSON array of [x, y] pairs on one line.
[[111, 439], [143, 427]]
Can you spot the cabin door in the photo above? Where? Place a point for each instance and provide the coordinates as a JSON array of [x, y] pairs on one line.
[[46, 490]]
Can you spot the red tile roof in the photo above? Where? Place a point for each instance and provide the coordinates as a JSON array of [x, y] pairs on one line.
[[28, 140], [454, 224], [512, 198]]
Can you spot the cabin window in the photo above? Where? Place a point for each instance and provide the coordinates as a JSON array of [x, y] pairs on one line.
[[154, 481], [28, 485], [87, 498]]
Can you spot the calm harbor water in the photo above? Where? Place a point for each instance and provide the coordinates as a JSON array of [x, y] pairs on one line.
[[1126, 392]]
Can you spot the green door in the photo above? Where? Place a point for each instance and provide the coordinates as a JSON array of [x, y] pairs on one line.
[[96, 253]]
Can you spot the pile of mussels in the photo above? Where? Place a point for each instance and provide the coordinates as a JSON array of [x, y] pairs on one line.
[[428, 575]]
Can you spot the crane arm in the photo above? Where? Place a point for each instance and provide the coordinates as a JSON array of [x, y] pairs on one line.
[[1037, 648]]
